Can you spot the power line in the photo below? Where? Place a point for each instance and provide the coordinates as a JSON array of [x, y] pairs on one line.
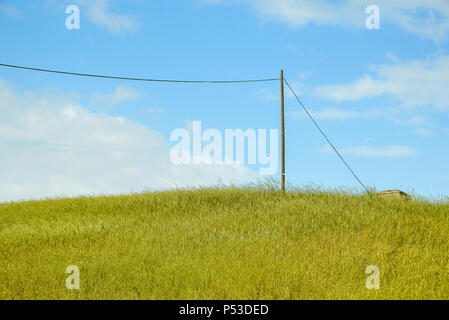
[[327, 139], [136, 79]]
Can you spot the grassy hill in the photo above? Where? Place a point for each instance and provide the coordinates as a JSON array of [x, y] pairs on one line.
[[225, 243]]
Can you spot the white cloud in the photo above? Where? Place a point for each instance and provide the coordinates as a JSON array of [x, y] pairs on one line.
[[392, 57], [411, 83], [151, 110], [267, 95], [387, 151], [116, 23], [428, 19], [424, 132], [120, 95], [422, 125], [53, 147], [415, 121]]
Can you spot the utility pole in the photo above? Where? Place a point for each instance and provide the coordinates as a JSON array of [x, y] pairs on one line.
[[282, 131]]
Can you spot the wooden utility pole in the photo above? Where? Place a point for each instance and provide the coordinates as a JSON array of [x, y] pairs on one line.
[[282, 130]]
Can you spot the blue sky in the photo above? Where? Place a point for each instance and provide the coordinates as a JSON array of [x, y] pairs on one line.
[[381, 95]]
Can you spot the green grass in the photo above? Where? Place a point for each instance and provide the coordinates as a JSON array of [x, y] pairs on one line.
[[225, 243]]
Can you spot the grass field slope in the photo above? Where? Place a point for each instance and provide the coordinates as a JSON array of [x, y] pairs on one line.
[[225, 243]]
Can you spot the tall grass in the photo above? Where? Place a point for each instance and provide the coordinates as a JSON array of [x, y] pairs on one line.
[[225, 243]]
